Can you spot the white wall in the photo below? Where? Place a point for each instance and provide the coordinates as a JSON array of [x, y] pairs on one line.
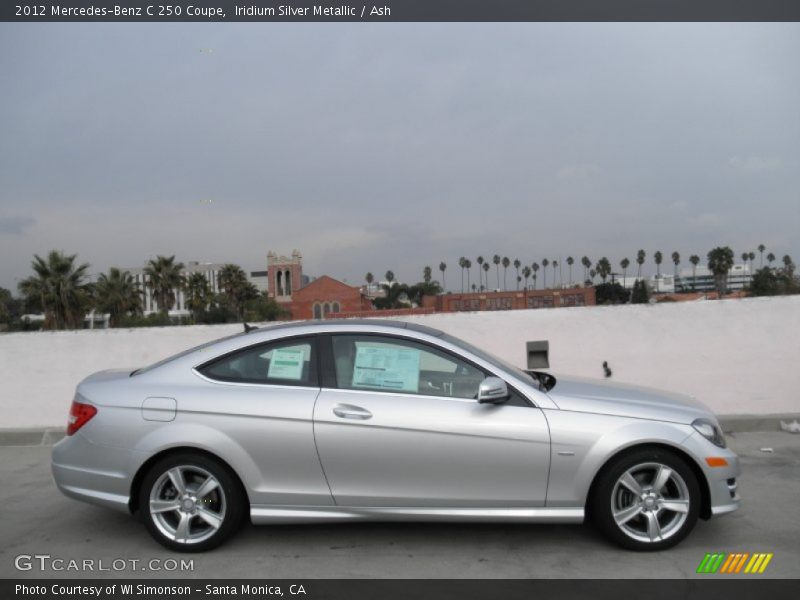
[[738, 356]]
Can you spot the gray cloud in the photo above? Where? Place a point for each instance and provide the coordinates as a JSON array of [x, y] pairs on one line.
[[15, 224], [396, 145]]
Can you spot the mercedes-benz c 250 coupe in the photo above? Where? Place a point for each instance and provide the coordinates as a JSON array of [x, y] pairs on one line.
[[384, 420]]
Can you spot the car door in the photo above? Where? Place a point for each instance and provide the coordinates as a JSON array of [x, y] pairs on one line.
[[261, 398], [400, 427]]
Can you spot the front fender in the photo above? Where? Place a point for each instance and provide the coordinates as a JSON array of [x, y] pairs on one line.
[[581, 443]]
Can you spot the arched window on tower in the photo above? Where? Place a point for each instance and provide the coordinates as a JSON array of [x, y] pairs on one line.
[[288, 283], [279, 283]]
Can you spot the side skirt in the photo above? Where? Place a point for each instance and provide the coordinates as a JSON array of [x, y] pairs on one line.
[[261, 514]]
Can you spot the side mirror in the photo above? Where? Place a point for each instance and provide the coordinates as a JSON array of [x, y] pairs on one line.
[[492, 390]]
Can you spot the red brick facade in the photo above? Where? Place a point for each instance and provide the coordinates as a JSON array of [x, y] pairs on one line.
[[510, 300], [326, 295]]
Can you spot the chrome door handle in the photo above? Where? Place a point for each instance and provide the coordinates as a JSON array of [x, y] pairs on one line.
[[348, 411]]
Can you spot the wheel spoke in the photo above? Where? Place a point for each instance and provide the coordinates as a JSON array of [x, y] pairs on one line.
[[630, 482], [209, 485], [176, 477], [661, 478], [209, 517], [679, 506], [182, 531], [159, 506], [626, 514], [653, 528]]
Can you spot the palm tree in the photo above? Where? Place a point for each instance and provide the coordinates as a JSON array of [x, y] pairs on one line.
[[592, 274], [624, 263], [486, 268], [545, 262], [236, 289], [517, 265], [761, 248], [658, 257], [389, 276], [694, 259], [603, 268], [496, 260], [443, 268], [587, 264], [59, 288], [640, 256], [164, 276], [197, 293], [117, 294], [427, 274], [770, 259], [534, 281], [369, 278], [506, 262], [788, 265], [745, 256], [752, 257], [462, 262], [555, 266], [479, 260], [526, 273], [570, 262], [720, 261], [676, 260], [468, 266], [535, 267]]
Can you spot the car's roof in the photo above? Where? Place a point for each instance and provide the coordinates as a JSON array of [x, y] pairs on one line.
[[356, 323]]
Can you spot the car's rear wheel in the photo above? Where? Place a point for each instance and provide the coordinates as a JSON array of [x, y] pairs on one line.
[[190, 502], [646, 500]]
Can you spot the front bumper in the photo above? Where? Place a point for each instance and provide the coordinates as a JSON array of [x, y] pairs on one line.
[[723, 482]]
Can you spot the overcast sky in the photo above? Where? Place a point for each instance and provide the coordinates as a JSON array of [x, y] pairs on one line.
[[376, 146]]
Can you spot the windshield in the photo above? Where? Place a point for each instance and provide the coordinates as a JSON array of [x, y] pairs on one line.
[[184, 353]]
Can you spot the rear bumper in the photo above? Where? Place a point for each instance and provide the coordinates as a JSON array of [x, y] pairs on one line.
[[91, 473]]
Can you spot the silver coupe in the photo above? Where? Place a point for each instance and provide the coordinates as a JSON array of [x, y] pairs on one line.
[[383, 420]]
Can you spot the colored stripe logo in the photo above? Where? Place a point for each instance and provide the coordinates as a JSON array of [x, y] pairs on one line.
[[735, 562]]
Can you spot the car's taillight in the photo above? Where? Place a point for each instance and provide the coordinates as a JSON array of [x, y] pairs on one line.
[[79, 415]]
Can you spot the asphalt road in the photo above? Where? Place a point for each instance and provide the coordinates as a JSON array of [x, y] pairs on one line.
[[36, 519]]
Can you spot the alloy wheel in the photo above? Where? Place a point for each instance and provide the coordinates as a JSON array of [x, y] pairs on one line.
[[187, 504], [650, 502]]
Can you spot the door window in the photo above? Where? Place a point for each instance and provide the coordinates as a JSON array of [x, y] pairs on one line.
[[404, 366], [288, 362]]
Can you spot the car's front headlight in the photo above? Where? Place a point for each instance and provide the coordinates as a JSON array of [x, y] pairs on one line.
[[710, 430]]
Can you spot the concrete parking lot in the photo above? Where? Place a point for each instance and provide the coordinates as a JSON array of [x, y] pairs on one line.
[[38, 520]]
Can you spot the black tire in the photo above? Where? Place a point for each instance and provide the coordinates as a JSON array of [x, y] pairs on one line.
[[610, 495], [210, 519]]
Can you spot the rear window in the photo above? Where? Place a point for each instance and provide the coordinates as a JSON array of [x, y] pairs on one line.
[[286, 362]]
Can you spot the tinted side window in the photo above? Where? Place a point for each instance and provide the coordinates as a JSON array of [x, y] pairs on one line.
[[395, 365], [288, 362]]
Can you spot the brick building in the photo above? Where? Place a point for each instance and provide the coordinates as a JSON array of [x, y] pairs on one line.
[[327, 295], [510, 300], [284, 275]]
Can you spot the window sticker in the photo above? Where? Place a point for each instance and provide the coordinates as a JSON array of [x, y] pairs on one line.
[[286, 363], [387, 368]]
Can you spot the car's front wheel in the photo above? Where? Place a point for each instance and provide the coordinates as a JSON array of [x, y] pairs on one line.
[[190, 502], [647, 499]]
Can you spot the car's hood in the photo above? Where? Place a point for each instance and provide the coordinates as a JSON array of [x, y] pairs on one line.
[[596, 396]]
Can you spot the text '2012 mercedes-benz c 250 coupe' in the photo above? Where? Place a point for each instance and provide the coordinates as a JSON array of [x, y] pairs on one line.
[[383, 420]]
